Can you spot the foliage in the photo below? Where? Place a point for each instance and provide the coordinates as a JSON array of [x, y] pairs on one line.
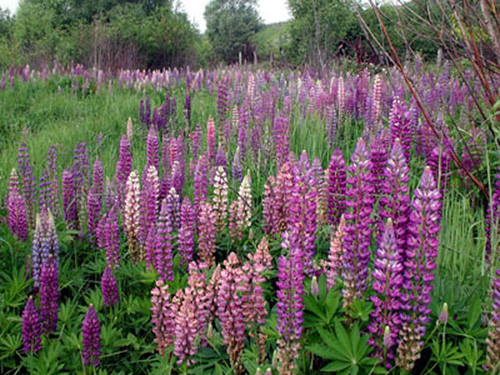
[[231, 25]]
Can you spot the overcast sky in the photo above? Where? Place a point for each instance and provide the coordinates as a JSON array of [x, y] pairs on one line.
[[270, 10]]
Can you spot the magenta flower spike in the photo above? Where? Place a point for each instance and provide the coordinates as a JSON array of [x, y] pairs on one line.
[[109, 288], [32, 330], [358, 225], [49, 295], [401, 127], [98, 178], [186, 232], [282, 140], [123, 168], [94, 204], [336, 195], [395, 200], [387, 283], [378, 157], [163, 316], [419, 263], [16, 218], [91, 338], [211, 141], [492, 221], [152, 146], [27, 179], [149, 202]]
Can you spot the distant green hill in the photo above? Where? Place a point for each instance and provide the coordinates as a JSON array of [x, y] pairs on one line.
[[271, 38]]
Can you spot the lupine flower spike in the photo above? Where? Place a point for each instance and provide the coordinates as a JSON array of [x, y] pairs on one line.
[[91, 332], [32, 330]]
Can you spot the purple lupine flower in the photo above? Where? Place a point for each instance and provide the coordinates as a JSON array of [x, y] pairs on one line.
[[358, 225], [68, 196], [174, 208], [200, 183], [94, 204], [331, 124], [109, 288], [163, 316], [387, 285], [378, 157], [236, 168], [493, 340], [91, 338], [32, 330], [123, 167], [178, 177], [196, 141], [282, 140], [492, 220], [81, 177], [420, 261], [150, 248], [27, 178], [152, 147], [290, 308], [186, 232], [220, 159], [395, 201], [49, 295], [334, 264], [243, 132], [45, 243], [164, 244], [230, 310], [186, 326], [336, 187], [149, 202], [16, 218], [401, 127]]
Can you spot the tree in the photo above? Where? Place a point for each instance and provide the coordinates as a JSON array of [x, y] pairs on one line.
[[231, 24], [317, 29]]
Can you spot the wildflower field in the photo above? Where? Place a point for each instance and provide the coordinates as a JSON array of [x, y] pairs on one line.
[[244, 221]]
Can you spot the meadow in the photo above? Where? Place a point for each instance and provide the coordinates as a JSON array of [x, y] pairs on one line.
[[244, 221]]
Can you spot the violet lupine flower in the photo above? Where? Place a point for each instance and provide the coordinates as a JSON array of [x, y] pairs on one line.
[[387, 285], [163, 317], [164, 244], [378, 156], [337, 178], [49, 295], [44, 189], [150, 248], [186, 232], [178, 177], [109, 288], [220, 159], [282, 140], [358, 225], [45, 243], [400, 124], [91, 338], [334, 264], [68, 196], [206, 234], [94, 204], [211, 142], [420, 261], [243, 132], [200, 183], [236, 168], [395, 201], [174, 208], [123, 167], [27, 178], [16, 218], [186, 326], [32, 330], [493, 340], [230, 310], [196, 141], [131, 214], [149, 202], [492, 220], [290, 308], [152, 146]]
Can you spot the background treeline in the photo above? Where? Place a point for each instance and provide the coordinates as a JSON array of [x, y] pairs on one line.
[[116, 34]]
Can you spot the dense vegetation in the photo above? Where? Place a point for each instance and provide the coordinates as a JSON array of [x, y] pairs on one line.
[[255, 198]]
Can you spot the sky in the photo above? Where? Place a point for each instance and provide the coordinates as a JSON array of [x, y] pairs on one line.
[[270, 11]]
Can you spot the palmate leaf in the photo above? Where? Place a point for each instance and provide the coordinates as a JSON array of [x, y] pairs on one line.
[[335, 366]]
